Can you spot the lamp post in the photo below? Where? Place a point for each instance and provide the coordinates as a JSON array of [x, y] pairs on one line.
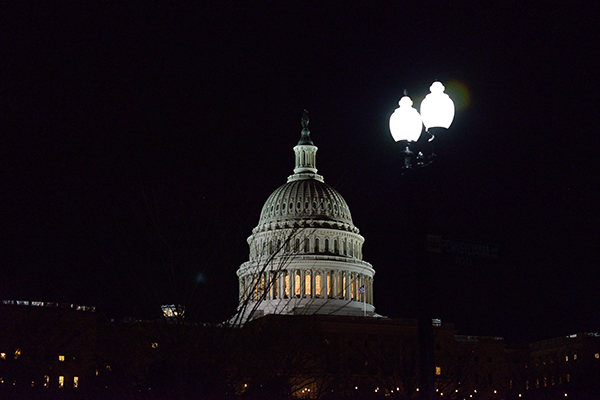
[[406, 127]]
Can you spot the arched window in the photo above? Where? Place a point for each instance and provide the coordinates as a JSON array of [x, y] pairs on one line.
[[329, 284], [297, 284], [286, 287], [316, 245], [335, 246], [307, 286], [326, 249], [297, 247], [306, 245]]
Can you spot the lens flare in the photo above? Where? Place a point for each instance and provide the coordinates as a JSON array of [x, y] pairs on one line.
[[459, 93]]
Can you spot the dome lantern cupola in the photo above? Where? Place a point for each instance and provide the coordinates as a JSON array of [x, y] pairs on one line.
[[306, 155]]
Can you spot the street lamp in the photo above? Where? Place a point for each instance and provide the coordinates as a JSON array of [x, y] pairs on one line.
[[406, 125]]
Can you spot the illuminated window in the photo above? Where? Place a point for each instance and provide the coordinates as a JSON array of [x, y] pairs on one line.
[[75, 381], [307, 284], [154, 345], [568, 377], [3, 356], [61, 381], [46, 380], [574, 356], [438, 370], [17, 353], [287, 286], [566, 358], [61, 358], [329, 286], [597, 355], [318, 285]]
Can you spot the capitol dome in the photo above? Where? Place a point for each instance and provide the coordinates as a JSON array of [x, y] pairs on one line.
[[305, 252], [307, 202]]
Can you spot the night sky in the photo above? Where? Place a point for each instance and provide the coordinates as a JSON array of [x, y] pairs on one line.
[[140, 142]]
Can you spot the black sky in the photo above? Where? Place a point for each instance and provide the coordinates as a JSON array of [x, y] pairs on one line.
[[140, 143]]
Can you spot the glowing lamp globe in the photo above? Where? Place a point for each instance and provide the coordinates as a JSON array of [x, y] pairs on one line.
[[405, 122], [437, 109]]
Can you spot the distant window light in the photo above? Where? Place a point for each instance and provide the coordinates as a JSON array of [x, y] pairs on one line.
[[46, 380], [574, 356], [438, 370], [172, 310], [61, 381], [61, 358], [17, 353], [108, 368], [3, 356], [154, 345], [75, 381], [566, 358], [597, 355]]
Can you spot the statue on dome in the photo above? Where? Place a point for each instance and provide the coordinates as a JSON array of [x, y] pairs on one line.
[[305, 120]]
